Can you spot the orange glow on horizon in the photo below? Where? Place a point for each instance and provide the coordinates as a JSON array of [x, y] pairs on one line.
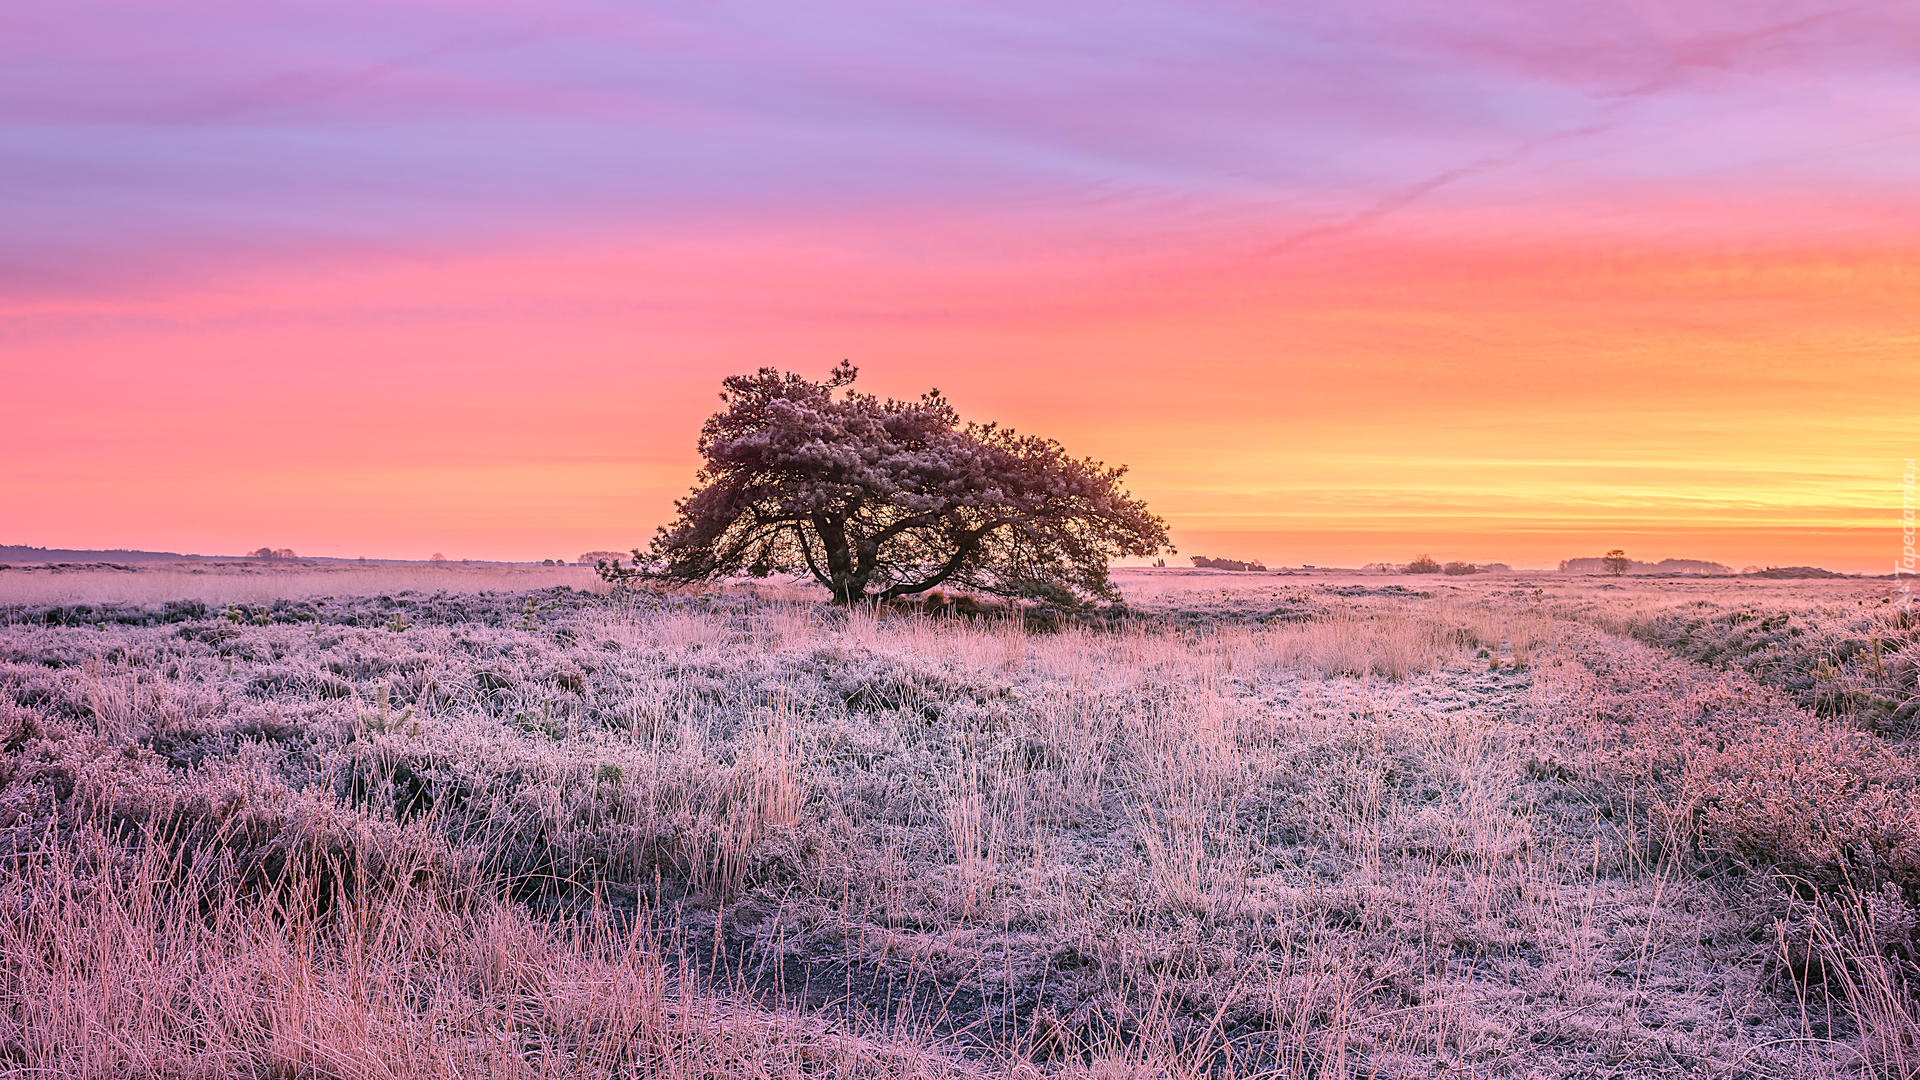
[[1523, 405]]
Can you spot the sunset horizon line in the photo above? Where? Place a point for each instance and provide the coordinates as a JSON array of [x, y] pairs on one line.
[[1180, 560]]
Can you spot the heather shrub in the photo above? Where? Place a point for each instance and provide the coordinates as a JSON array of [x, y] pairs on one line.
[[1857, 662], [1830, 807], [1819, 815]]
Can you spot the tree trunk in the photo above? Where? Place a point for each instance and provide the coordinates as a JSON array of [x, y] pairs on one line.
[[844, 579]]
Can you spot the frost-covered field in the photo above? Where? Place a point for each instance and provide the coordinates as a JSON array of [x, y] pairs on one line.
[[1257, 826]]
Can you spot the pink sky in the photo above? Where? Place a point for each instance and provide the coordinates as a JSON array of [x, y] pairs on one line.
[[1495, 281]]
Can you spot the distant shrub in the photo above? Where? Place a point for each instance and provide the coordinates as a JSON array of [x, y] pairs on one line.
[[1422, 564], [1455, 569], [1205, 563]]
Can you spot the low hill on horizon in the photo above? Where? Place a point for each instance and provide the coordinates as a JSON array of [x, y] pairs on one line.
[[28, 554]]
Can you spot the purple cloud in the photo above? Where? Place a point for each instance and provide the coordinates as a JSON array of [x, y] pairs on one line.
[[147, 145]]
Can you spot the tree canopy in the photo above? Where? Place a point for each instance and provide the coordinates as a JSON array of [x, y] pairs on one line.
[[882, 498]]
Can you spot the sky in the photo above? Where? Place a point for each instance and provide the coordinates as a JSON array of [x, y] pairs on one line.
[[1339, 282]]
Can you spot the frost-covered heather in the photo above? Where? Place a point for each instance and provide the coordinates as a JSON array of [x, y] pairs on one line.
[[1277, 826], [1844, 647]]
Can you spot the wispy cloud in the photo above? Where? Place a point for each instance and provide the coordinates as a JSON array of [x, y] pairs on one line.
[[473, 234]]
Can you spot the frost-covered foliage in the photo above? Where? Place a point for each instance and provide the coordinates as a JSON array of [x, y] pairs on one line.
[[1848, 648], [1745, 774], [1862, 663], [1309, 827], [1814, 818]]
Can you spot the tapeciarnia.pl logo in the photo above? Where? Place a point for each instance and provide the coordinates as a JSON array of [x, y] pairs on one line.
[[1903, 567]]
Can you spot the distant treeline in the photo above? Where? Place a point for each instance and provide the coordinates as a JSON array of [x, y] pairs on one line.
[[1427, 564], [1598, 565], [24, 553]]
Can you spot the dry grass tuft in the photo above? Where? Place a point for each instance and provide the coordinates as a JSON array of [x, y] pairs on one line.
[[123, 959]]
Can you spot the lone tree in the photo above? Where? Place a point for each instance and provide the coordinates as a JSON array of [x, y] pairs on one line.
[[1617, 562], [877, 499]]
